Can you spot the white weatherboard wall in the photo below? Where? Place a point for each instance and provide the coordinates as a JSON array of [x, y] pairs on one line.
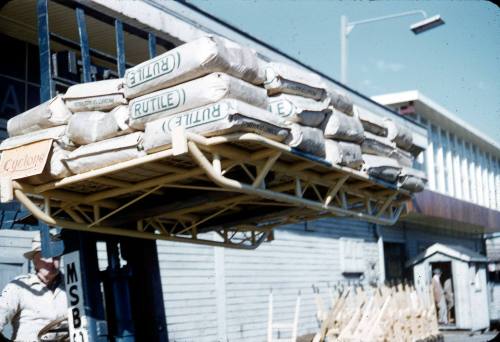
[[215, 294]]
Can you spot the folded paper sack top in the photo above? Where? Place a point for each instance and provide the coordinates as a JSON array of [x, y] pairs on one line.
[[225, 116], [193, 94], [88, 127], [412, 179], [48, 114], [54, 168], [381, 167], [306, 139], [404, 158], [106, 152], [343, 153], [400, 134], [95, 96], [286, 79], [192, 60], [298, 109], [371, 122], [380, 146], [340, 126]]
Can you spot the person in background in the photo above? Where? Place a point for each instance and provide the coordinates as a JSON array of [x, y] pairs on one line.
[[448, 295], [439, 298], [31, 301]]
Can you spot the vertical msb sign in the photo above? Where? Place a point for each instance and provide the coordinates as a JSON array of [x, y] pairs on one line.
[[74, 291]]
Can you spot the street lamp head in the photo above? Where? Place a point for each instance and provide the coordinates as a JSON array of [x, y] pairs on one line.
[[427, 24]]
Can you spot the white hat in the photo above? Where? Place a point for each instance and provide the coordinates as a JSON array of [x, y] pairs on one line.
[[36, 246]]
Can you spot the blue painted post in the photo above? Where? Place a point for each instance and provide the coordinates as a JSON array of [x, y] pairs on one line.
[[46, 84], [151, 44], [120, 48], [84, 44]]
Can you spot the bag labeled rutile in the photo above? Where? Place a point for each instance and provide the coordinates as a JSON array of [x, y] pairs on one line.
[[286, 79], [343, 153], [340, 101], [223, 117], [380, 146], [306, 139], [371, 122], [88, 127], [412, 180], [340, 126], [193, 94], [404, 158], [298, 109], [401, 135], [106, 152], [381, 167], [48, 114], [193, 60], [95, 96]]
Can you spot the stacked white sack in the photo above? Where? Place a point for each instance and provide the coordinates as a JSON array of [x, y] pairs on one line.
[[193, 94], [193, 60], [55, 167], [106, 152], [223, 117], [89, 127], [95, 96], [299, 109], [48, 114]]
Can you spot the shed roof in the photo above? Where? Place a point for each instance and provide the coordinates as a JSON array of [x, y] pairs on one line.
[[452, 251]]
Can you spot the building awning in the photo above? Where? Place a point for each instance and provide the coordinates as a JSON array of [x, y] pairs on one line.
[[452, 251]]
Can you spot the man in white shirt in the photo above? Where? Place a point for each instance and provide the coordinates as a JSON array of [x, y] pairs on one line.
[[31, 301], [439, 298]]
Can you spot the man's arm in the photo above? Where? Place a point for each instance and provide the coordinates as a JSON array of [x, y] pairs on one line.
[[9, 305]]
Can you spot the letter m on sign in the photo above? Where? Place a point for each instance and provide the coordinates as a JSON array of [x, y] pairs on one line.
[[71, 274]]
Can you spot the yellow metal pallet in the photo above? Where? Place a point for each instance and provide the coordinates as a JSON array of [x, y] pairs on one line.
[[228, 190]]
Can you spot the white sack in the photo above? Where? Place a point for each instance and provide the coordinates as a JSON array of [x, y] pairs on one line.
[[192, 60], [340, 126], [412, 179], [48, 114], [95, 96], [381, 167], [298, 109], [193, 94], [88, 127], [401, 135], [286, 79], [343, 153], [340, 101], [306, 139], [371, 122], [404, 158], [56, 133], [55, 168], [419, 144], [106, 152], [223, 117], [380, 146]]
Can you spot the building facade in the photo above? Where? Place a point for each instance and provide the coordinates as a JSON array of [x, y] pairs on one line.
[[215, 294]]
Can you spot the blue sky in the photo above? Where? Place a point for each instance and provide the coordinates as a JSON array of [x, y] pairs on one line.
[[457, 65]]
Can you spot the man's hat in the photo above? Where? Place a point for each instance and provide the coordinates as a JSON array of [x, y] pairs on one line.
[[437, 271], [36, 246]]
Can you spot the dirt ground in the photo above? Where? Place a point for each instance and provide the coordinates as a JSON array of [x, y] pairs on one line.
[[464, 336]]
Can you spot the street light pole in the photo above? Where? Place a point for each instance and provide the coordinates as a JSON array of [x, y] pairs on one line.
[[346, 28]]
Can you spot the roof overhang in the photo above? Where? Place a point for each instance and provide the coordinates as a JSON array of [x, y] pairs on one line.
[[441, 117], [453, 252], [435, 209]]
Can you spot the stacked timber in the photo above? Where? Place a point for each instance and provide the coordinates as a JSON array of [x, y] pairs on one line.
[[397, 313]]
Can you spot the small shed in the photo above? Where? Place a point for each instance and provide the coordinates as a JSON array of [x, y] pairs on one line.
[[467, 271]]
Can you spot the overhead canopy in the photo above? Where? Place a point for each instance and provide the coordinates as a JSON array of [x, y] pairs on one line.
[[451, 251]]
